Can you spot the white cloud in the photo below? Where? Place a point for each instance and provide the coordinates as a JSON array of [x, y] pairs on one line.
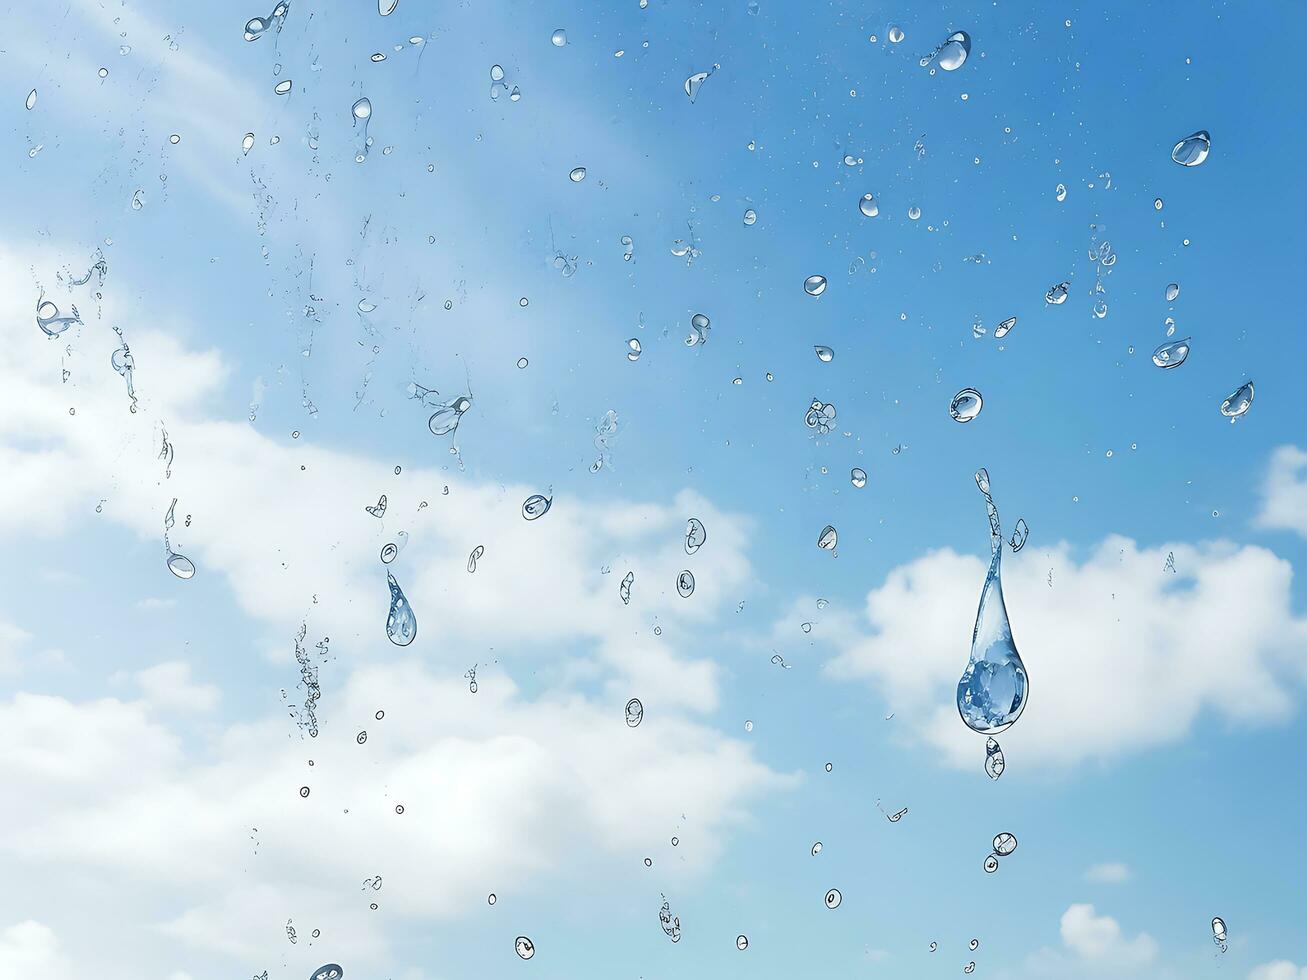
[[12, 640], [1284, 495], [1122, 654], [1099, 937], [31, 950], [168, 687], [1278, 970], [1111, 873]]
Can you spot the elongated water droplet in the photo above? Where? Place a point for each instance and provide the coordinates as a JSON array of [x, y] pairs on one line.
[[472, 558], [247, 143], [31, 100], [695, 535], [994, 762], [1171, 355], [1057, 294], [577, 175], [1239, 401], [634, 713], [361, 110], [966, 405], [283, 87], [685, 584], [1218, 930], [1172, 292], [828, 538], [1060, 193], [693, 83], [624, 590], [1004, 328], [536, 506], [993, 689], [824, 354], [1192, 150], [51, 322], [858, 477], [868, 206], [401, 624], [814, 285]]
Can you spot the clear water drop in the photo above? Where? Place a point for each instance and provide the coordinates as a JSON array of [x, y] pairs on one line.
[[577, 175], [994, 761], [824, 354], [401, 623], [814, 285], [1238, 402], [386, 7], [993, 689], [634, 349], [624, 589], [1004, 328], [966, 405], [833, 898], [868, 206], [1172, 292], [388, 553], [952, 55], [1060, 193], [914, 213], [828, 538], [750, 216], [1004, 844], [247, 143], [685, 584], [895, 35], [1057, 294], [283, 87], [31, 100], [496, 73], [1171, 355], [634, 713], [695, 535], [536, 506], [858, 477], [695, 81], [559, 38], [1192, 150], [473, 557], [525, 948]]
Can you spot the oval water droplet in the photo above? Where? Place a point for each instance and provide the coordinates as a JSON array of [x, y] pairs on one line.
[[953, 54], [1157, 204], [1004, 844], [386, 7], [362, 109], [525, 948], [685, 584], [966, 405], [992, 690], [181, 566], [1171, 355], [824, 354], [895, 35], [31, 100], [283, 87], [1192, 150], [868, 206], [858, 477], [828, 538], [577, 175], [750, 216], [634, 713], [388, 553], [1057, 294], [634, 349], [1239, 401], [401, 623], [833, 898], [994, 761], [914, 212], [536, 506], [496, 73], [1004, 328], [1172, 292], [1060, 193], [814, 285], [559, 38], [695, 535], [247, 143]]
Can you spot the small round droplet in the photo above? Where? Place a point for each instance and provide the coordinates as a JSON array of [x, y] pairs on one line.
[[247, 143], [174, 139], [828, 538], [492, 898], [833, 898], [991, 864], [858, 477], [388, 553], [559, 37], [577, 175], [748, 725], [824, 354], [685, 584], [953, 55], [914, 212], [895, 35], [496, 73], [868, 206], [1057, 294], [103, 73], [525, 948], [750, 216], [304, 791], [522, 362], [814, 285], [1157, 204], [966, 405], [974, 945], [536, 506], [741, 942], [361, 737], [1005, 844]]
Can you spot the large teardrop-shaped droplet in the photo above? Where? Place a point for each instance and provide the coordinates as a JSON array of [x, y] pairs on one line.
[[993, 689], [401, 624]]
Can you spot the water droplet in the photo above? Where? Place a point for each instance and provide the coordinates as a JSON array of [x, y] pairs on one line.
[[741, 942], [634, 713], [824, 354], [895, 35], [748, 726], [750, 216], [103, 73], [378, 57], [994, 762], [1060, 193], [247, 143], [401, 623], [536, 506], [1004, 328], [522, 362], [693, 83], [1218, 930], [1172, 292], [814, 285], [868, 206], [328, 971], [624, 590], [699, 326], [833, 898], [914, 212], [828, 538], [362, 110], [31, 100], [379, 510], [633, 353], [992, 691], [1157, 204], [628, 248], [816, 848], [496, 73], [525, 948], [283, 87], [966, 405], [952, 54], [858, 477], [472, 558], [991, 864], [685, 584], [577, 175], [974, 945], [1239, 401], [970, 967], [174, 139], [1056, 295], [386, 7], [695, 535], [181, 566], [1005, 844], [1171, 355], [1192, 150], [559, 37]]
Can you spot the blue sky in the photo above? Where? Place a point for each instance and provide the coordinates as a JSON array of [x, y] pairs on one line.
[[155, 723]]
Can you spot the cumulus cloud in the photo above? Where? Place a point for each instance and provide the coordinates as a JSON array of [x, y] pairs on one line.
[[12, 640], [169, 687], [1111, 873], [31, 950], [1099, 937], [1278, 970], [1123, 654], [1284, 495]]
